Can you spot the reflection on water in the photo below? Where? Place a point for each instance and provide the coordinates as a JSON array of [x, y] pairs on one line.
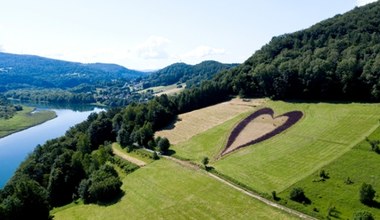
[[15, 147]]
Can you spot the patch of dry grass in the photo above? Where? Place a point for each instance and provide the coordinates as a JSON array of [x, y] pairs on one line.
[[198, 121]]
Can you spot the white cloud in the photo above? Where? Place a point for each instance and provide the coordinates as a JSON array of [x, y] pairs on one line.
[[203, 51], [153, 48], [1, 48], [364, 2]]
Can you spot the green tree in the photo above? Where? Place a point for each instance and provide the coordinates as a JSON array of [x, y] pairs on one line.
[[205, 161], [163, 145], [297, 194], [28, 200], [102, 186], [363, 215], [124, 138], [367, 194]]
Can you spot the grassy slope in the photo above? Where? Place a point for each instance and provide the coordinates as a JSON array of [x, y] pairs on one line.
[[24, 119], [209, 143], [326, 132], [361, 165], [165, 190], [164, 89]]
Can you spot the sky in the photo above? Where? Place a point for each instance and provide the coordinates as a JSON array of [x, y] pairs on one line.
[[151, 34]]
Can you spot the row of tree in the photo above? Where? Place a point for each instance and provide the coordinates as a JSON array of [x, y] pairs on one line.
[[7, 110], [77, 164]]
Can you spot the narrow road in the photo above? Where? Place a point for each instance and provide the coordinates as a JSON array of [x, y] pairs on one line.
[[262, 199], [249, 193], [127, 157]]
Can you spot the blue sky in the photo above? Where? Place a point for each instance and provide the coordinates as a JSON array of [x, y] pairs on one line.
[[151, 34]]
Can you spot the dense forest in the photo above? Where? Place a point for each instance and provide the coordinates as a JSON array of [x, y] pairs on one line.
[[80, 164], [27, 71], [185, 73], [337, 59], [7, 110]]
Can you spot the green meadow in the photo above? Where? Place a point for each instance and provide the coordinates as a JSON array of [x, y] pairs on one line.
[[166, 190], [335, 196], [325, 132], [23, 120]]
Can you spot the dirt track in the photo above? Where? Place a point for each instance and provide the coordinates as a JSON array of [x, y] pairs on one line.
[[127, 157]]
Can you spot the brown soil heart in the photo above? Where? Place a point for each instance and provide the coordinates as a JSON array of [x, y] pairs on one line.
[[259, 126]]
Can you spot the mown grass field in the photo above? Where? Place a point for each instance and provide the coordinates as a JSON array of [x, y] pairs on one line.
[[326, 132], [166, 190], [169, 89], [359, 164], [24, 119], [198, 121]]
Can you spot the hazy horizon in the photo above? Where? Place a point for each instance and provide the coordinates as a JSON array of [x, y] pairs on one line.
[[144, 35]]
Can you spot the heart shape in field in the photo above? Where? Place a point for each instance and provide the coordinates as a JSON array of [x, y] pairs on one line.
[[259, 126]]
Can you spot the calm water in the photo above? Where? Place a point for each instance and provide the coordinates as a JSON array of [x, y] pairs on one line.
[[14, 148]]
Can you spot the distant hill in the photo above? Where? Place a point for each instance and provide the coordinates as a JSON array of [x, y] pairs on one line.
[[185, 73], [28, 71], [336, 59]]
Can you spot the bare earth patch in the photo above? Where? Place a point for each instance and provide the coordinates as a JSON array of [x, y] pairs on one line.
[[259, 126], [198, 121]]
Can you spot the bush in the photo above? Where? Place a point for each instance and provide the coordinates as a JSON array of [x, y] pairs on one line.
[[155, 156], [297, 194], [126, 166], [363, 215], [323, 174], [367, 194], [102, 186], [163, 145]]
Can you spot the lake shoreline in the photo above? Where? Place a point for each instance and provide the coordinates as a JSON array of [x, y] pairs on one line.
[[30, 125]]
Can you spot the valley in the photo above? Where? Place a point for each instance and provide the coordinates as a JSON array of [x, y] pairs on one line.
[[293, 132]]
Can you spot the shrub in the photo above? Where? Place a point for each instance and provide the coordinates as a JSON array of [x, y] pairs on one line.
[[155, 156], [297, 194], [205, 161], [363, 215], [323, 174], [367, 194], [163, 145]]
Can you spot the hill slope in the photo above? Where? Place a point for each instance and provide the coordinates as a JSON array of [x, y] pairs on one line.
[[338, 58], [24, 71], [185, 73]]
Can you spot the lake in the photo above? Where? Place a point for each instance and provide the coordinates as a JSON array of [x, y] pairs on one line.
[[15, 147]]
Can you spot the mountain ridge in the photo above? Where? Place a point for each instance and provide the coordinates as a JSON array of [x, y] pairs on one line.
[[20, 71]]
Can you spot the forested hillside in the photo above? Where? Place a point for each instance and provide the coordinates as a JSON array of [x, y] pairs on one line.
[[27, 71], [337, 59], [185, 73]]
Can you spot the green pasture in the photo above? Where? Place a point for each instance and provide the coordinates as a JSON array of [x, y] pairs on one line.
[[334, 196], [325, 133], [166, 190], [24, 119]]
